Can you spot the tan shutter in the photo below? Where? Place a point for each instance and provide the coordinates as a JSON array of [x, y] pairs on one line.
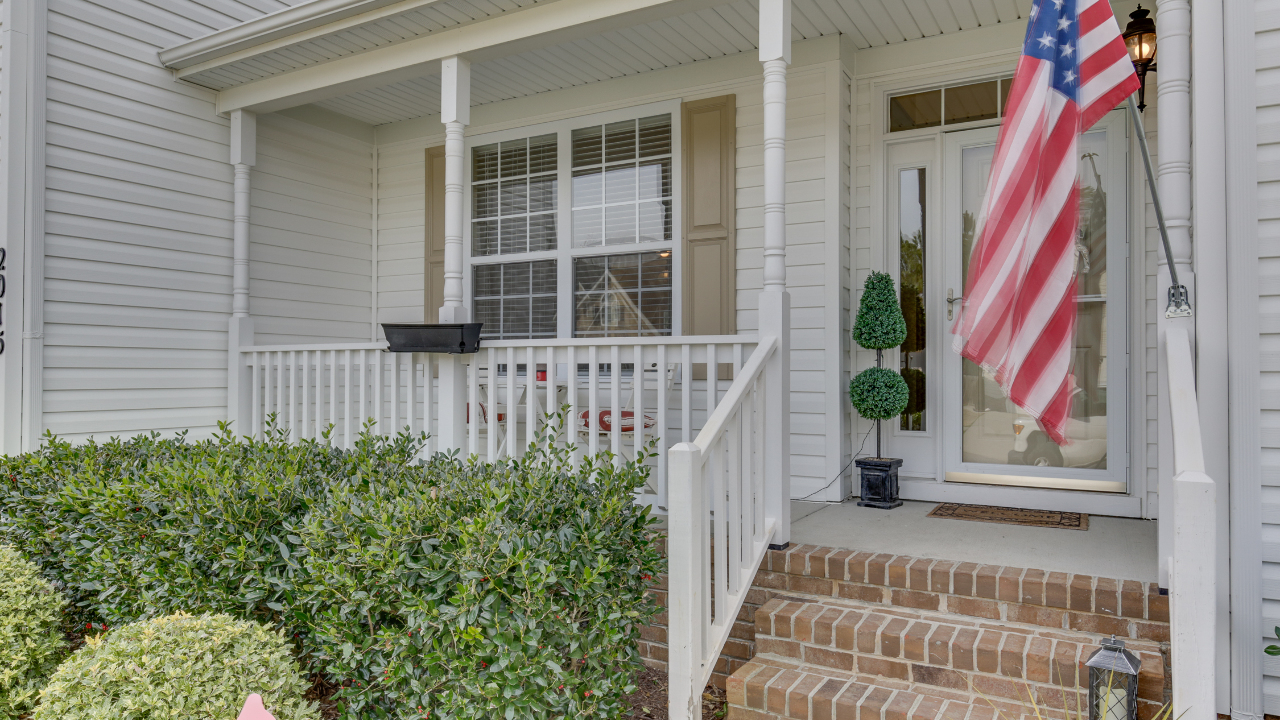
[[709, 144], [434, 295]]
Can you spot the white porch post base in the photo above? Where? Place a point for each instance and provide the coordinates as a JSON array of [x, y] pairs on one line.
[[775, 320], [1193, 591], [453, 400], [239, 377], [685, 539]]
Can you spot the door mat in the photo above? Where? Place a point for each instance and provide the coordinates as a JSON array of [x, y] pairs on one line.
[[1012, 516]]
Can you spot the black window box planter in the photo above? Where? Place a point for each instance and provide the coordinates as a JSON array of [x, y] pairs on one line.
[[441, 338]]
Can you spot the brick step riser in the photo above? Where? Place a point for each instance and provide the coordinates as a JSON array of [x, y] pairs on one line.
[[995, 661], [776, 690], [1104, 606]]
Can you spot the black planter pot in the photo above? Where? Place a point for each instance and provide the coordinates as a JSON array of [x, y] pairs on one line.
[[879, 482], [434, 338]]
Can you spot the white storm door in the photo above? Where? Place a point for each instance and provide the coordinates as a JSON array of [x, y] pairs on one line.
[[911, 256], [988, 440]]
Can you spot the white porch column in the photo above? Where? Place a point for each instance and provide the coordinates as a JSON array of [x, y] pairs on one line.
[[775, 301], [244, 155], [1173, 87], [455, 113]]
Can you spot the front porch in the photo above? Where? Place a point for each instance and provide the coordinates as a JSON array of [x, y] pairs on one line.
[[670, 244]]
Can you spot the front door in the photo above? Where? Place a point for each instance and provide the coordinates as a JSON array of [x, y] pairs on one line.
[[985, 438]]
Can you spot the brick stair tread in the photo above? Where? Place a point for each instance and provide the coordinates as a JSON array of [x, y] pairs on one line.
[[1001, 659], [1098, 604], [774, 688]]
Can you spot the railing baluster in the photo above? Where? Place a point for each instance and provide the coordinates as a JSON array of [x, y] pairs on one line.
[[281, 417], [364, 388], [378, 383], [713, 378], [293, 395], [737, 359], [413, 393], [428, 425], [320, 374], [720, 519], [394, 410], [571, 422], [255, 419], [733, 518], [686, 393], [662, 427], [530, 395], [305, 425], [637, 399], [512, 404], [593, 402], [333, 392], [491, 410], [473, 405], [346, 403], [757, 470], [615, 403]]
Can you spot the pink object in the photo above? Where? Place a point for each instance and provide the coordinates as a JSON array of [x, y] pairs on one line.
[[628, 423], [254, 710]]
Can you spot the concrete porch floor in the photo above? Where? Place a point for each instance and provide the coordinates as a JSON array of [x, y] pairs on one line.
[[1122, 548]]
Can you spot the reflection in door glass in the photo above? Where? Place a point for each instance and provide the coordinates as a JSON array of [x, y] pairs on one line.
[[911, 225], [995, 430]]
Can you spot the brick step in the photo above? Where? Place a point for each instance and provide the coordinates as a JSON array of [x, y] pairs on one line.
[[1006, 660], [1125, 608], [774, 688]]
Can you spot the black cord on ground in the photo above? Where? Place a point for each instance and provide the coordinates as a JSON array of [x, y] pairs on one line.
[[841, 473]]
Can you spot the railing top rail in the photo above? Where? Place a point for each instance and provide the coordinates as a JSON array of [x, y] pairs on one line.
[[1184, 410], [733, 397], [311, 347], [648, 341]]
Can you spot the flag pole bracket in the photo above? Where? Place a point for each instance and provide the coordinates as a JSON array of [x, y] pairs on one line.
[[1179, 302]]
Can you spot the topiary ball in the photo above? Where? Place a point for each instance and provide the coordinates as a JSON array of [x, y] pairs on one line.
[[879, 393], [178, 667], [880, 324], [31, 641]]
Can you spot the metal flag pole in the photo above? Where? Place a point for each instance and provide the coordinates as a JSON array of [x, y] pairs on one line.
[[1179, 300]]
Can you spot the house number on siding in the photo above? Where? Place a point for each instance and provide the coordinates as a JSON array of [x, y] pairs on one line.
[[4, 254]]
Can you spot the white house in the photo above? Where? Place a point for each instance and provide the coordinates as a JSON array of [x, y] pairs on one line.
[[663, 212]]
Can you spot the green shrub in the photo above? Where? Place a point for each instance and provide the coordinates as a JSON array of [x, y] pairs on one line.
[[31, 642], [178, 666], [147, 527], [879, 393], [478, 590]]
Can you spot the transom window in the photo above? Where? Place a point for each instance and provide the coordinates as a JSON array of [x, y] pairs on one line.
[[949, 106], [599, 263]]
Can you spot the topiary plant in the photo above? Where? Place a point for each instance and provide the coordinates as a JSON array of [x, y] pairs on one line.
[[180, 667], [31, 642], [879, 393], [880, 324]]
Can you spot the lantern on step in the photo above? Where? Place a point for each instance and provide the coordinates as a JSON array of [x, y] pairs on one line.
[[1113, 682]]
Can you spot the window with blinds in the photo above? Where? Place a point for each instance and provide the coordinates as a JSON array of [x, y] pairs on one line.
[[622, 294], [516, 300], [622, 182], [603, 265], [513, 196]]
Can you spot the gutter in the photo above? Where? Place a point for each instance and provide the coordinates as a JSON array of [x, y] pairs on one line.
[[279, 24]]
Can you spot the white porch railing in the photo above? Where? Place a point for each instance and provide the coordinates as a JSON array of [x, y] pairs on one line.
[[720, 527], [621, 393], [1192, 568]]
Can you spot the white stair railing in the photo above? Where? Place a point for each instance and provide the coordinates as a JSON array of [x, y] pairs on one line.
[[719, 529], [1193, 566]]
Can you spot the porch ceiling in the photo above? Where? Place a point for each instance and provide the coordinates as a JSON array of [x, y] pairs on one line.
[[672, 33]]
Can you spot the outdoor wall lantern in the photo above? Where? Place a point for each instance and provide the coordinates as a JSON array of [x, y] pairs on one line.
[[1113, 682], [1140, 39]]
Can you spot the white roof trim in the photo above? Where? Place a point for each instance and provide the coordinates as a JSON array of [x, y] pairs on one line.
[[325, 14]]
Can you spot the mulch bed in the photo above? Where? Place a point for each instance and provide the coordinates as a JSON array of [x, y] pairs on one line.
[[648, 702]]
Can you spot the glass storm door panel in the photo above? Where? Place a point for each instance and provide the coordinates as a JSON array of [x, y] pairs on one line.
[[911, 219], [987, 438]]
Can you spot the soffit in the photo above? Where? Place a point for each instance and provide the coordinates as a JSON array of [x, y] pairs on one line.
[[681, 38]]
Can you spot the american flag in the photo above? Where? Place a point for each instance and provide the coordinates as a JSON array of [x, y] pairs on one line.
[[1019, 314]]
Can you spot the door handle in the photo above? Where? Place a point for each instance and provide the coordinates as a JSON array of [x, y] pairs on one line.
[[952, 299]]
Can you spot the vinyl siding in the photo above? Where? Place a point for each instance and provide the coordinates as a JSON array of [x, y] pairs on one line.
[[310, 269], [815, 326], [1268, 135], [137, 223]]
